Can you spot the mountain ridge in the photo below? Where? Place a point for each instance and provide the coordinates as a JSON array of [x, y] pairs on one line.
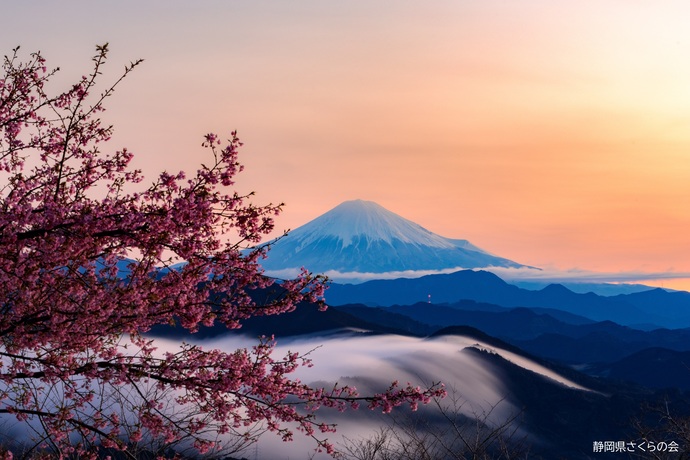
[[627, 309]]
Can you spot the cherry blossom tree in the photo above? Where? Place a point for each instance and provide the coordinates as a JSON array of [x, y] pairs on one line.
[[91, 260]]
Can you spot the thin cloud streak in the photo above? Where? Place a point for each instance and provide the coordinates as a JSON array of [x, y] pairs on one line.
[[507, 274], [584, 276]]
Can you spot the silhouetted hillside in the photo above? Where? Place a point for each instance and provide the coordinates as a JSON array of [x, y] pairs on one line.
[[537, 333], [305, 319], [652, 367]]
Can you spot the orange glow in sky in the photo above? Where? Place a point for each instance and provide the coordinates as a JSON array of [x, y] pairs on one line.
[[556, 134]]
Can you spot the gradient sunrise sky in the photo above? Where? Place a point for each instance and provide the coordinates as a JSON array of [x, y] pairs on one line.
[[554, 133]]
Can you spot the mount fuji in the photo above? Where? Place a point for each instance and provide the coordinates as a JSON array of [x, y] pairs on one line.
[[363, 237]]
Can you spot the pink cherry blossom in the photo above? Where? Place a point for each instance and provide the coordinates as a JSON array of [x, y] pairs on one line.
[[86, 256]]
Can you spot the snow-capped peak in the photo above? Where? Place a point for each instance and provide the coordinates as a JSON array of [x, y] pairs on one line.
[[355, 219], [362, 236]]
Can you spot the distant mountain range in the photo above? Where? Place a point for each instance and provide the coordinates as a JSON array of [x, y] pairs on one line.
[[649, 309], [363, 237], [569, 340], [600, 348]]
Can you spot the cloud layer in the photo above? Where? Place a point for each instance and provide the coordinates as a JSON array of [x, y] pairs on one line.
[[548, 275]]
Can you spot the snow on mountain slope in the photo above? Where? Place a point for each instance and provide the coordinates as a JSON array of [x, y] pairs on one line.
[[350, 220], [363, 237]]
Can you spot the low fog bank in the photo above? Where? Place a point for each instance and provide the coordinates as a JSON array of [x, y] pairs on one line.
[[371, 363]]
